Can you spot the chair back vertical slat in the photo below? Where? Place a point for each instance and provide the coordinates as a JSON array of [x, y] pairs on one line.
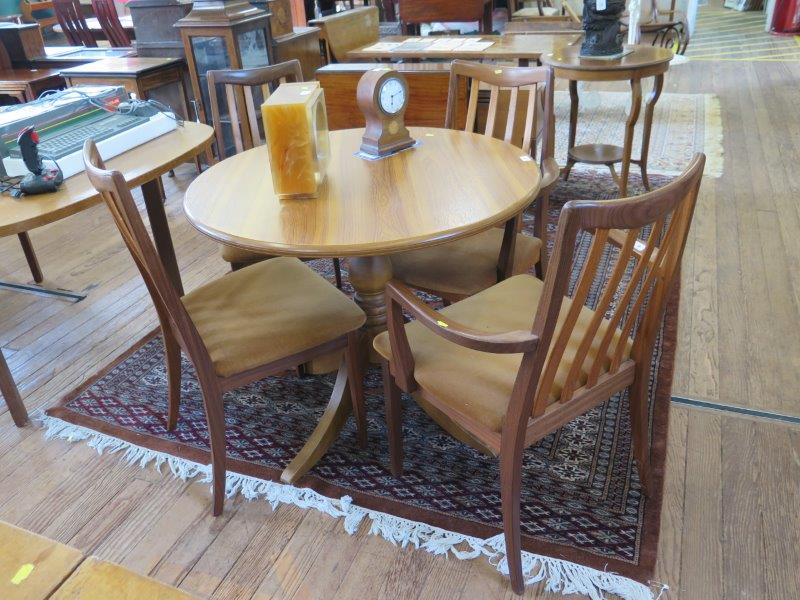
[[107, 16], [582, 288], [532, 116], [643, 258], [491, 115], [239, 95], [608, 294], [233, 114], [70, 16], [472, 106], [252, 117], [512, 115]]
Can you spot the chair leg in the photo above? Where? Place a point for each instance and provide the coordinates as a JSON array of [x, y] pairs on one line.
[[337, 271], [510, 475], [9, 391], [540, 231], [356, 378], [30, 256], [394, 420], [215, 416], [640, 425], [172, 353]]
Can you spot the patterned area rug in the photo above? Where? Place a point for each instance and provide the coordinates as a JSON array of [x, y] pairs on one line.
[[582, 504], [683, 124]]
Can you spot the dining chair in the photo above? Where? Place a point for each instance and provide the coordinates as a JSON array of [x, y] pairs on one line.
[[70, 16], [459, 269], [413, 13], [241, 327], [106, 13], [244, 90], [344, 31], [506, 367], [38, 12]]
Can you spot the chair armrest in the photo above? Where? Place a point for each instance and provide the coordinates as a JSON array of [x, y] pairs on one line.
[[508, 342]]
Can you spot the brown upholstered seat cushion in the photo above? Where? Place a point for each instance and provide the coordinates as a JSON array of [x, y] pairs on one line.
[[268, 311], [463, 267], [479, 384], [233, 254]]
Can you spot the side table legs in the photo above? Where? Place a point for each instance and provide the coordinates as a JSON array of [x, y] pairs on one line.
[[9, 391], [369, 276], [652, 98], [630, 126]]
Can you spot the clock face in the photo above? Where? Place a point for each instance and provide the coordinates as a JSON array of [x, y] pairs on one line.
[[392, 96]]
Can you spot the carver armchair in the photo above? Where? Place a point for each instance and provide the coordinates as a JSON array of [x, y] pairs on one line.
[[242, 327], [509, 365], [520, 111]]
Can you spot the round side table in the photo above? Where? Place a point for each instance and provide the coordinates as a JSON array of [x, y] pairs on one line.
[[454, 184], [644, 61]]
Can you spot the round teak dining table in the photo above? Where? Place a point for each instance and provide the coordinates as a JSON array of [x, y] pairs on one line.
[[451, 185]]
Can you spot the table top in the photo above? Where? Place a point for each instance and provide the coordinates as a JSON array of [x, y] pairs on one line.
[[504, 47], [452, 185], [642, 57], [125, 66], [138, 166]]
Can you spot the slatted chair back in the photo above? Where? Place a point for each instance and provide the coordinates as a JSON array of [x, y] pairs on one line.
[[243, 109], [440, 11], [29, 8], [171, 312], [526, 96], [345, 31], [648, 235], [107, 16], [70, 16]]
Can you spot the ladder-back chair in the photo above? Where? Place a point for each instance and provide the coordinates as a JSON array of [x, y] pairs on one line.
[[107, 16], [510, 365], [70, 16], [464, 267], [240, 89], [242, 327]]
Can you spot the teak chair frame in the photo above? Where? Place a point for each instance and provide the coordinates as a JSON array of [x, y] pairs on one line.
[[538, 126], [107, 16], [532, 413], [180, 334], [70, 16], [242, 109]]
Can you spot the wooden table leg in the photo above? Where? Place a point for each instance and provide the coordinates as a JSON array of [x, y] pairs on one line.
[[369, 276], [326, 431], [573, 124], [30, 256], [630, 126], [161, 235], [9, 390], [652, 98]]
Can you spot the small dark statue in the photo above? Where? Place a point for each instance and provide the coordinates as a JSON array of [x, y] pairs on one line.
[[602, 37]]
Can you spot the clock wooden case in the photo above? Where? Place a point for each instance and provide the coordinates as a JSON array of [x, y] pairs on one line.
[[382, 96]]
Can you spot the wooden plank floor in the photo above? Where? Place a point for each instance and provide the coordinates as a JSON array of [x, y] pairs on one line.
[[730, 526]]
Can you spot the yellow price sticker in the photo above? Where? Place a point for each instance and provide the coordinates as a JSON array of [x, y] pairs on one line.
[[22, 573], [442, 324]]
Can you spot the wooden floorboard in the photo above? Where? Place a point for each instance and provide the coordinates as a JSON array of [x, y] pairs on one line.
[[730, 524]]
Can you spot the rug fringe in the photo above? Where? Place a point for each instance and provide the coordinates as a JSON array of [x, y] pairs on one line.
[[560, 576]]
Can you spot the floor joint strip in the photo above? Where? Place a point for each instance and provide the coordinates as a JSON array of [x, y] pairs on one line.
[[740, 410]]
